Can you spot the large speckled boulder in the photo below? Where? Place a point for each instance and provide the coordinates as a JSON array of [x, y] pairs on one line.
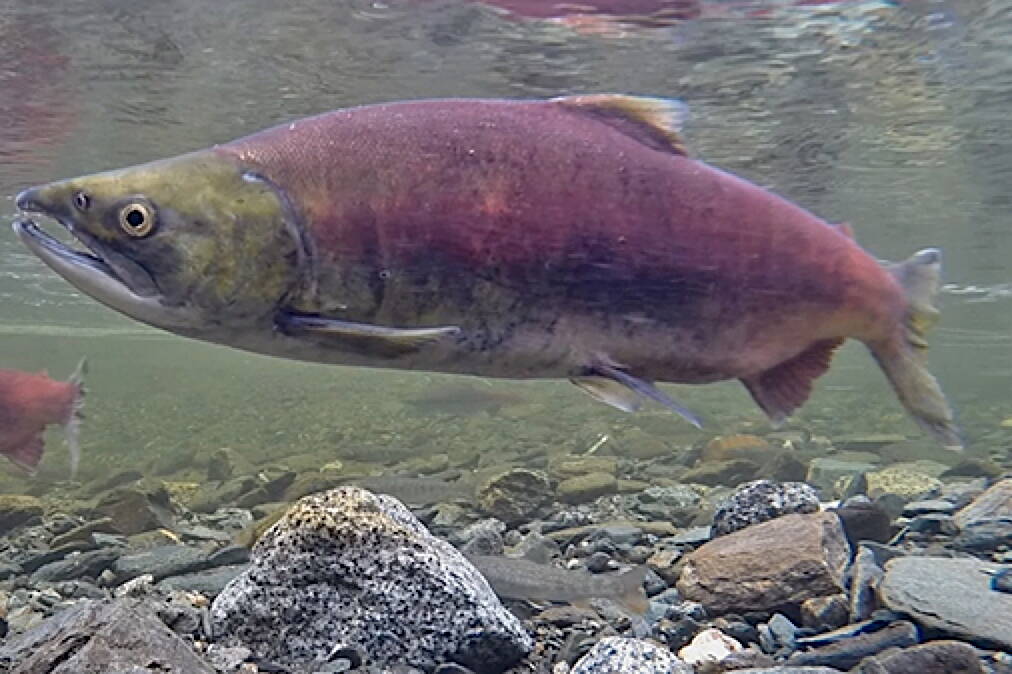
[[760, 501], [350, 568], [629, 656]]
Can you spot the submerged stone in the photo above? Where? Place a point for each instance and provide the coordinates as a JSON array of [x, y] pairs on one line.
[[951, 597], [515, 495], [629, 656], [774, 565], [760, 501], [348, 566], [18, 509], [93, 637]]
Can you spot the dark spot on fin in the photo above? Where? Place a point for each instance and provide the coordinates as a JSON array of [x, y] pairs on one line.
[[362, 337], [656, 121], [615, 397], [785, 387]]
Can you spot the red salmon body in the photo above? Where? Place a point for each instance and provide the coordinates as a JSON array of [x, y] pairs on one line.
[[29, 402], [571, 237]]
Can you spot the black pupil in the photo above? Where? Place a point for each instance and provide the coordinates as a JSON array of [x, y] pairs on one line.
[[82, 201], [135, 217]]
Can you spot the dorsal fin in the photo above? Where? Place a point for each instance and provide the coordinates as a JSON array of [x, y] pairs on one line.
[[647, 119]]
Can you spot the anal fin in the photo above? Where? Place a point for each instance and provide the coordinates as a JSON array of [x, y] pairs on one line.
[[610, 392], [363, 337], [785, 387], [28, 455]]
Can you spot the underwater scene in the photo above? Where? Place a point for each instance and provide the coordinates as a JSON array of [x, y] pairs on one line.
[[486, 336]]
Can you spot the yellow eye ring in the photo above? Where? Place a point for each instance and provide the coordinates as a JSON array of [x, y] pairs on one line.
[[137, 219]]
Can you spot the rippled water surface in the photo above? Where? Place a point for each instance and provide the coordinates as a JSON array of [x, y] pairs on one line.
[[893, 117]]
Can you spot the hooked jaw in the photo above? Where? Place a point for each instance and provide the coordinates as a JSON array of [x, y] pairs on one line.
[[99, 272]]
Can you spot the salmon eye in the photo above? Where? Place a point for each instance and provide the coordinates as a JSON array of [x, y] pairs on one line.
[[136, 219]]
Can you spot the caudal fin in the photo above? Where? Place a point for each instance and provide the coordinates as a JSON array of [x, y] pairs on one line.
[[71, 427], [904, 356]]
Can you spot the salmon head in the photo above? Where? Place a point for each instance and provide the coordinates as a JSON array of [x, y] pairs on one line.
[[190, 244]]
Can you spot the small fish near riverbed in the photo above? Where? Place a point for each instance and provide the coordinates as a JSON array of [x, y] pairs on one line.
[[565, 238], [31, 401]]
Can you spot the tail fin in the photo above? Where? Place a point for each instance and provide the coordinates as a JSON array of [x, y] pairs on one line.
[[631, 595], [71, 426], [904, 357]]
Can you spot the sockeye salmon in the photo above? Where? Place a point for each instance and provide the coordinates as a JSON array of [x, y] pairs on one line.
[[30, 401], [571, 237]]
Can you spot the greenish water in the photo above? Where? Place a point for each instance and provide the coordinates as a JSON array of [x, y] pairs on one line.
[[893, 117]]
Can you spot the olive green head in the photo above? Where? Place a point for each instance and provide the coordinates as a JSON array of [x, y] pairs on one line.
[[192, 244]]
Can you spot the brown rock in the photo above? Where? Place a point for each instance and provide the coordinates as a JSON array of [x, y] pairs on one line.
[[566, 466], [774, 565], [933, 657], [514, 495], [730, 473], [825, 613], [140, 507], [587, 487], [729, 447], [994, 503]]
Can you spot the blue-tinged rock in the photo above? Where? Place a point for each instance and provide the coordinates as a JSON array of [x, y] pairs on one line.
[[845, 653]]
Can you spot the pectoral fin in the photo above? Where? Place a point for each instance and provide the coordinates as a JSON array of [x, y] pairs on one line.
[[612, 385], [363, 337]]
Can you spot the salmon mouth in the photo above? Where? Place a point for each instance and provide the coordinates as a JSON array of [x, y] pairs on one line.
[[106, 275], [95, 263]]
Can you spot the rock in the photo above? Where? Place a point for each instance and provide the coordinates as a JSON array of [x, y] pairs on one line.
[[864, 521], [760, 501], [784, 466], [950, 596], [865, 575], [788, 670], [351, 567], [1001, 580], [311, 483], [971, 467], [18, 509], [774, 565], [915, 508], [846, 653], [933, 524], [678, 503], [985, 535], [729, 473], [84, 532], [514, 496], [995, 503], [209, 583], [100, 637], [224, 494], [137, 508], [825, 613], [664, 562], [824, 473], [934, 657], [269, 488], [587, 487], [900, 480], [730, 447], [710, 645], [225, 463], [161, 562], [565, 466], [638, 444], [86, 564], [629, 656]]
